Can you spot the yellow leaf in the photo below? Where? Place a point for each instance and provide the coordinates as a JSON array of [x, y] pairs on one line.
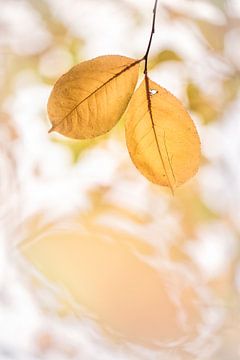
[[206, 106], [161, 137], [88, 100], [164, 56]]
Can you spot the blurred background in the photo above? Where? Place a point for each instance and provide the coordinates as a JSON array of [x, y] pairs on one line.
[[96, 263]]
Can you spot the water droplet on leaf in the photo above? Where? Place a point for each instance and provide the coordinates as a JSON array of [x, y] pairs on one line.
[[153, 91]]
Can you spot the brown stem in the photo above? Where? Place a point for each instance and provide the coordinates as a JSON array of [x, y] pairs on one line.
[[151, 36]]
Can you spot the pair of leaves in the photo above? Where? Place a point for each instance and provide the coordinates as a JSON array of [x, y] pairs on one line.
[[161, 138]]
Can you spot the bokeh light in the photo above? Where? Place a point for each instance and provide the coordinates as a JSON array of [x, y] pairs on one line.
[[96, 263]]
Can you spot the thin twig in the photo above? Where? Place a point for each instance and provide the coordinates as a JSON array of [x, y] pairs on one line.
[[151, 36]]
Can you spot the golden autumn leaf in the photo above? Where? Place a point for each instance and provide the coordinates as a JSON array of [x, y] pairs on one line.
[[89, 99], [161, 137]]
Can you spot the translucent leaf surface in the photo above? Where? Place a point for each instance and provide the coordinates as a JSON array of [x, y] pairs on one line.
[[89, 100], [161, 137]]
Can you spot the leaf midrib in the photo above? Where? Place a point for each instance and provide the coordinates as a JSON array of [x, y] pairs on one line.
[[155, 135], [95, 91]]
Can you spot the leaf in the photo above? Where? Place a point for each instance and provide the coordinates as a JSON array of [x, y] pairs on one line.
[[214, 34], [161, 137], [89, 100], [165, 56], [206, 106]]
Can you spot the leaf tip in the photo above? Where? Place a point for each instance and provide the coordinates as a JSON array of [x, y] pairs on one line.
[[51, 130], [172, 190]]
